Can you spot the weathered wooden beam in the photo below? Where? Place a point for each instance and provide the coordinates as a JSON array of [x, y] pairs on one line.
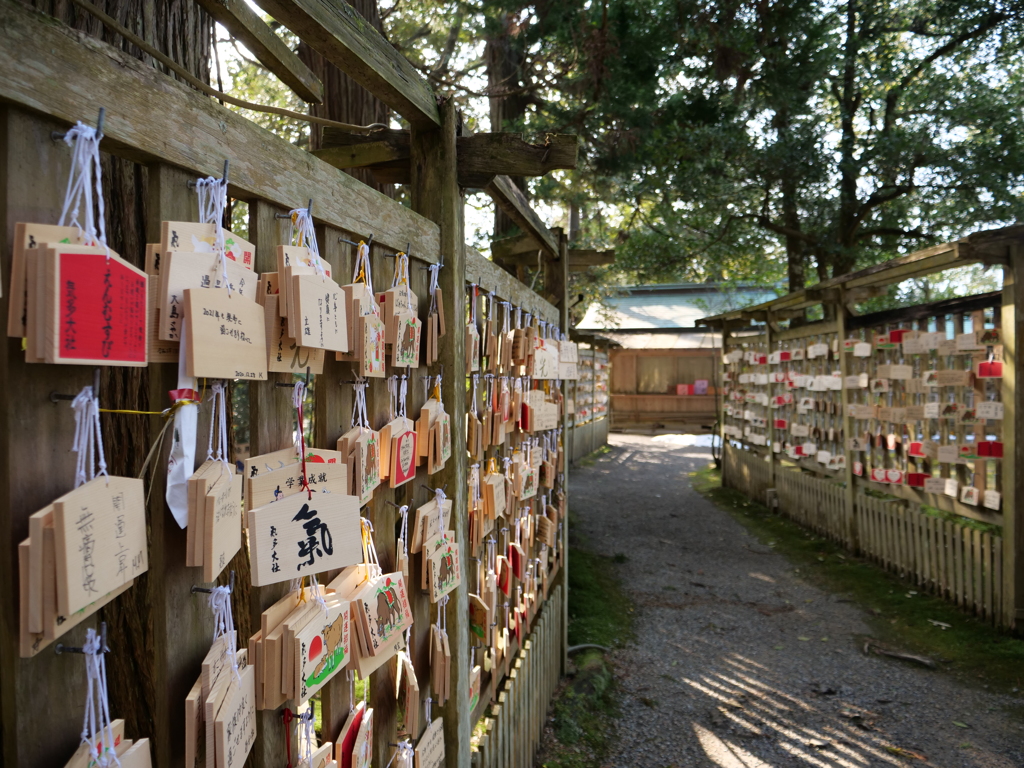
[[194, 132], [370, 154], [508, 154], [481, 157], [517, 245], [589, 257], [512, 201], [270, 50], [343, 37]]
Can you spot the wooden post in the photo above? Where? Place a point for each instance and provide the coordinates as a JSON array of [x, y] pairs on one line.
[[556, 285], [1013, 430], [181, 623], [270, 428], [722, 402], [850, 531], [771, 448], [436, 195]]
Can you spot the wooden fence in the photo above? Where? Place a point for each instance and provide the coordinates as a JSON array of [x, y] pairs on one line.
[[887, 431], [166, 135], [509, 736]]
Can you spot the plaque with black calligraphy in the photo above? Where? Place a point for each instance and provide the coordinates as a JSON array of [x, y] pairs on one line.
[[223, 523], [430, 749], [101, 540], [299, 536], [95, 308], [28, 238], [284, 354], [235, 724], [319, 313], [182, 271], [224, 336]]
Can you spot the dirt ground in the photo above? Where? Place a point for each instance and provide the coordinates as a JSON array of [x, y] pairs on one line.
[[739, 663]]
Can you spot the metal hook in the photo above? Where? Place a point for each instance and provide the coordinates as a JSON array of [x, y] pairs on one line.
[[60, 648], [58, 135], [208, 590], [345, 240], [291, 384], [56, 397], [192, 182]]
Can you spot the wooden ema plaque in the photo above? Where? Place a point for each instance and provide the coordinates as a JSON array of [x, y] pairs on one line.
[[292, 261], [394, 303], [225, 336], [472, 348], [402, 459], [349, 732], [323, 648], [359, 302], [235, 724], [95, 308], [370, 347], [82, 758], [382, 611], [298, 536], [445, 569], [284, 354], [568, 359], [223, 524], [362, 748], [406, 347], [330, 477], [428, 524], [28, 239], [430, 749], [184, 271], [545, 358], [319, 313], [100, 540], [55, 623], [193, 237]]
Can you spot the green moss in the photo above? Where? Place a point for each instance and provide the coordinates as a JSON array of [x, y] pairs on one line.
[[970, 649], [599, 612], [585, 709], [584, 716]]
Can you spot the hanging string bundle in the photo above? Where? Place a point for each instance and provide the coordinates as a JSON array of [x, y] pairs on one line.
[[302, 233], [224, 624], [298, 400], [213, 200], [88, 440], [97, 732], [85, 187]]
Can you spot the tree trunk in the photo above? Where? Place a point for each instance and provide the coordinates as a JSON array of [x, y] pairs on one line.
[[344, 99], [849, 172], [182, 31], [505, 59]]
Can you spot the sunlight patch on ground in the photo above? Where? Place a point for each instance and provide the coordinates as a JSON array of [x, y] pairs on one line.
[[724, 754], [701, 441]]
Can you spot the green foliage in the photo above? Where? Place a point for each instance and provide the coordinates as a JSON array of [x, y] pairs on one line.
[[746, 140]]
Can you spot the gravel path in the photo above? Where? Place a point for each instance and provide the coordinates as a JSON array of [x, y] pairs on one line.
[[738, 663]]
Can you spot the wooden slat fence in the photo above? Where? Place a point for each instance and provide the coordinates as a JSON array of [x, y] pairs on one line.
[[747, 472], [511, 732], [891, 432], [954, 560]]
